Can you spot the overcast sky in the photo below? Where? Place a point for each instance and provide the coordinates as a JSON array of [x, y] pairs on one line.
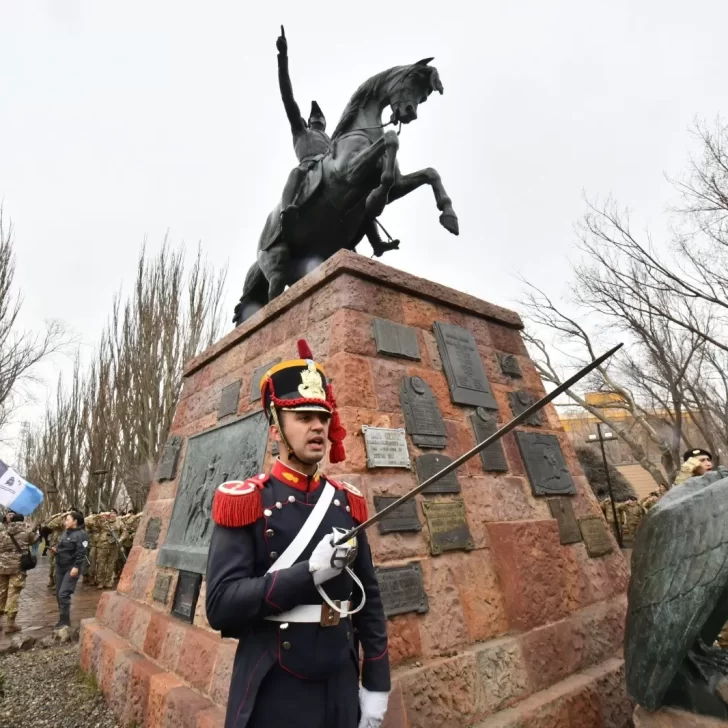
[[127, 119]]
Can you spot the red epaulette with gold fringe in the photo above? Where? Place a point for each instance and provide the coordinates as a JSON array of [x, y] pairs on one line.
[[238, 503], [357, 501]]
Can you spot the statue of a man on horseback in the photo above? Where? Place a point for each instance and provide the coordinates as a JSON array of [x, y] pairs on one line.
[[333, 198], [311, 144]]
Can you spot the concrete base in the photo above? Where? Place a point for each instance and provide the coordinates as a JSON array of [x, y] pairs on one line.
[[671, 718]]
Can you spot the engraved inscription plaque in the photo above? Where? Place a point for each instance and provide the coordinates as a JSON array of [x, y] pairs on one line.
[[257, 376], [403, 518], [396, 340], [463, 367], [509, 365], [596, 536], [162, 582], [520, 402], [431, 463], [562, 510], [386, 448], [167, 469], [185, 597], [229, 400], [448, 527], [422, 417], [402, 589], [492, 457], [151, 535], [545, 464], [231, 452]]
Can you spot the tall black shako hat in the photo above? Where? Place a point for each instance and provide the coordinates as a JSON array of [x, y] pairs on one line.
[[301, 384], [697, 452]]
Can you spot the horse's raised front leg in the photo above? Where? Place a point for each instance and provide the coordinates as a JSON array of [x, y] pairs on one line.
[[378, 197], [406, 183]]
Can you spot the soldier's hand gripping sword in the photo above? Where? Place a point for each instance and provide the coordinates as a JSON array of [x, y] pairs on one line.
[[535, 407]]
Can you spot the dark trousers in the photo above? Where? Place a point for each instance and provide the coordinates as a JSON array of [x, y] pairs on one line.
[[286, 701], [65, 586]]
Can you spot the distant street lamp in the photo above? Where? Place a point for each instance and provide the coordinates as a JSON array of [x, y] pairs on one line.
[[603, 437], [99, 474]]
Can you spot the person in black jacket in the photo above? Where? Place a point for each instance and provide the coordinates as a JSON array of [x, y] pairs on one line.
[[70, 552], [301, 615]]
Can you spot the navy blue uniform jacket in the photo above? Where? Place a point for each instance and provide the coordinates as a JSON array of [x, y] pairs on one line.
[[240, 594]]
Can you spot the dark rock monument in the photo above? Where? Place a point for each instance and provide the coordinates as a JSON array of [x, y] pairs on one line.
[[678, 601]]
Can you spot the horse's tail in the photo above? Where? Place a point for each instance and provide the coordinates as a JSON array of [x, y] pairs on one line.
[[255, 295]]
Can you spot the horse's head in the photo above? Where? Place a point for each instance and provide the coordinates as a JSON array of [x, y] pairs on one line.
[[411, 87]]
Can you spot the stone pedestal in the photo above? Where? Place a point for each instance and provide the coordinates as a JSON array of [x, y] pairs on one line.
[[670, 718], [522, 626]]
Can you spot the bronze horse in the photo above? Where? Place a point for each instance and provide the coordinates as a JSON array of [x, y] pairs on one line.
[[349, 187]]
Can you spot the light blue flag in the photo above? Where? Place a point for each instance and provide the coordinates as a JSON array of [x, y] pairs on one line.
[[16, 493]]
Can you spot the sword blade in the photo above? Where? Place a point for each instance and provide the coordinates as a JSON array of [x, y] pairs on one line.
[[535, 407]]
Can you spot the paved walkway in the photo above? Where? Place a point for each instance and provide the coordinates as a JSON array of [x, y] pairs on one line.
[[39, 609]]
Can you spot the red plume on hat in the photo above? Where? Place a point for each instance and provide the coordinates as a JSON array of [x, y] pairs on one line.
[[337, 433]]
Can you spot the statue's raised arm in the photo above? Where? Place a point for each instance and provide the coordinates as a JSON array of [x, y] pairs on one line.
[[284, 81]]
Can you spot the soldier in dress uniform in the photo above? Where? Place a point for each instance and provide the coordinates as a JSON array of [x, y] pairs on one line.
[[301, 607]]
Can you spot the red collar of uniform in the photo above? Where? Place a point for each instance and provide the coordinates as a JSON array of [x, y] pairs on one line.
[[294, 478]]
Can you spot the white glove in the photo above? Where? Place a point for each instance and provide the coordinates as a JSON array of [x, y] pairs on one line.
[[319, 564], [373, 708]]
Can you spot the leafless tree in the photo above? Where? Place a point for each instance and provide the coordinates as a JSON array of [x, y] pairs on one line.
[[20, 351]]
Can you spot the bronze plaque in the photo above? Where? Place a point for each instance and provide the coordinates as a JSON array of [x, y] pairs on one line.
[[520, 402], [396, 340], [431, 463], [492, 457], [509, 365], [386, 448], [235, 451], [185, 597], [562, 510], [463, 366], [545, 464], [402, 589], [403, 518], [257, 376], [229, 400], [151, 535], [422, 416], [162, 582], [448, 527], [596, 537], [168, 463]]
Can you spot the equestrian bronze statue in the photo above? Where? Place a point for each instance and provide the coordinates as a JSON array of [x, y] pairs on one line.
[[333, 198]]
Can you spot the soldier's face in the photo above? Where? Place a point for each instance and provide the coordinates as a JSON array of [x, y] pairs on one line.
[[70, 522], [706, 462], [307, 433]]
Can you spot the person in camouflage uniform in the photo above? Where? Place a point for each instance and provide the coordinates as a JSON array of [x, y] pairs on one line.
[[92, 524], [56, 524], [111, 533], [12, 579], [131, 524]]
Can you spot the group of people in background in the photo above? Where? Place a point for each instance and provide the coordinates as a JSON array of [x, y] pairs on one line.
[[93, 548], [629, 513]]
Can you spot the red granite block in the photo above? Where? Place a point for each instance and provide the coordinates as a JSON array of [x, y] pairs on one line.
[[138, 629], [352, 380], [220, 683], [103, 605], [197, 657], [127, 617], [173, 640], [507, 339], [539, 577], [89, 628], [422, 313], [184, 706], [352, 332], [405, 642], [125, 580], [387, 377], [161, 684], [120, 680], [112, 645], [347, 291], [211, 718], [142, 671], [156, 634], [396, 716]]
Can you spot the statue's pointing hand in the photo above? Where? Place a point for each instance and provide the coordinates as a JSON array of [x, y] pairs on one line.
[[282, 43]]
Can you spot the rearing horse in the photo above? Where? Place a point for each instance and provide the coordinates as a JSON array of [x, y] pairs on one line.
[[349, 187]]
